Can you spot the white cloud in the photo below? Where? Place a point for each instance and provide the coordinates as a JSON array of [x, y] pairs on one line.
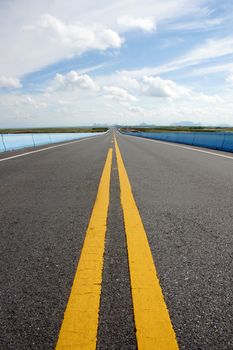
[[7, 82], [131, 23], [122, 80], [212, 99], [65, 107], [32, 40], [78, 38], [43, 43], [210, 69], [24, 101], [212, 48], [129, 82], [230, 79], [197, 25], [119, 94], [157, 87], [137, 110], [63, 102], [30, 101], [162, 88], [73, 80]]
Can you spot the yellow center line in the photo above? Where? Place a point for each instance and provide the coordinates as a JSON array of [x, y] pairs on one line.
[[80, 324], [154, 330]]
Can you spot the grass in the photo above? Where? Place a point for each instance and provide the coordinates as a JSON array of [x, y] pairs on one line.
[[53, 130], [178, 129]]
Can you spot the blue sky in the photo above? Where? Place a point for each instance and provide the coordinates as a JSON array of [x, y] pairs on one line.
[[85, 62]]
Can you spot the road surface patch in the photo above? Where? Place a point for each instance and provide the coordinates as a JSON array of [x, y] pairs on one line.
[[153, 325], [80, 324]]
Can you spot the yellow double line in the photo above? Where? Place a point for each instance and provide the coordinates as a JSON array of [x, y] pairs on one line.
[[80, 325]]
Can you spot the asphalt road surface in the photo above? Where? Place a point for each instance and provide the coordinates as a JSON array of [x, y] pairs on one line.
[[184, 198]]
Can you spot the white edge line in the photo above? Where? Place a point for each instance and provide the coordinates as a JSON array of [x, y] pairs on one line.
[[45, 149], [179, 146]]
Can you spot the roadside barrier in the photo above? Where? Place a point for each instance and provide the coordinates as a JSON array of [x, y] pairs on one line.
[[10, 142], [222, 141]]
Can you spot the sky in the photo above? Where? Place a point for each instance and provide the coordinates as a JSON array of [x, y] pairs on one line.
[[76, 62]]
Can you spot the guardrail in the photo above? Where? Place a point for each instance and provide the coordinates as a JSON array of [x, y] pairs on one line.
[[9, 142], [222, 141]]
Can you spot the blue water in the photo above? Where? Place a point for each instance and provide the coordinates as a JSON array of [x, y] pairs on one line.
[[9, 142]]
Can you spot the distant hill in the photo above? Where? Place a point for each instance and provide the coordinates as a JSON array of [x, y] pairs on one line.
[[185, 123]]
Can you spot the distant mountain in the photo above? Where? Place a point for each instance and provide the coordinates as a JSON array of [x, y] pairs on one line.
[[186, 123]]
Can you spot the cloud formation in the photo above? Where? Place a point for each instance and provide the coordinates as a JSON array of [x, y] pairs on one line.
[[157, 87], [143, 55], [8, 82], [78, 38], [73, 80], [230, 79], [128, 23], [119, 94]]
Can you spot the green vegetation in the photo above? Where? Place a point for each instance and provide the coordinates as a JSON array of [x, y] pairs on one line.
[[177, 129], [53, 130]]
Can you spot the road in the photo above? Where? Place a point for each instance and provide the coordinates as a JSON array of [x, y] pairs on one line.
[[49, 211]]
